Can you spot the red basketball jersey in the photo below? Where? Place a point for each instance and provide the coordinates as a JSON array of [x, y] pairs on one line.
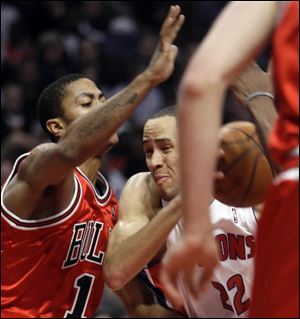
[[276, 280], [285, 136], [52, 267]]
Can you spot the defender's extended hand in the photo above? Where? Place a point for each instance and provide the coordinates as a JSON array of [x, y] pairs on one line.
[[162, 63]]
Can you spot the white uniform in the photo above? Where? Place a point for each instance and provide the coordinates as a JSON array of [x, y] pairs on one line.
[[228, 294]]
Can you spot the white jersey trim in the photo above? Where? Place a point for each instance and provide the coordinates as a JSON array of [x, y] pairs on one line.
[[291, 174]]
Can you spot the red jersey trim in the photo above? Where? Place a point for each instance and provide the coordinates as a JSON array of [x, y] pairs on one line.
[[101, 200], [56, 219]]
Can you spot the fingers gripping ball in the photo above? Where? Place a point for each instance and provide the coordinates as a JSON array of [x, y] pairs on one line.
[[247, 172]]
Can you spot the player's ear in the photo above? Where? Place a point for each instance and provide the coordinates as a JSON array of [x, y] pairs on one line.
[[56, 126]]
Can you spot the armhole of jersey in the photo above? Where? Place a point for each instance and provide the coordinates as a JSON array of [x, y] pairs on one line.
[[102, 200], [32, 224], [254, 214], [159, 294], [163, 203], [250, 219], [254, 221]]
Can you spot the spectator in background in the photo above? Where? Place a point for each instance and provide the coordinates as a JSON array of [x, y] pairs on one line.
[[53, 59], [12, 113], [14, 146], [9, 15]]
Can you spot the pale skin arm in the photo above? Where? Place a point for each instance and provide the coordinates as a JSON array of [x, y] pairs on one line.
[[140, 231], [215, 64], [139, 302], [52, 164]]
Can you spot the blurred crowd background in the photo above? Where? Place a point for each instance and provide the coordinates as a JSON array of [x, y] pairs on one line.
[[108, 41]]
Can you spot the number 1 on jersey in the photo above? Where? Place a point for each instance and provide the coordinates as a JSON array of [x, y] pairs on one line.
[[83, 284]]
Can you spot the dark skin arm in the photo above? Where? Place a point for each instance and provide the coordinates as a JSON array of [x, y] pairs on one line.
[[262, 108]]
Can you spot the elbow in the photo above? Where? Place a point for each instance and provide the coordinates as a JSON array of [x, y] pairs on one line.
[[194, 89], [114, 282], [190, 87], [196, 86], [114, 277]]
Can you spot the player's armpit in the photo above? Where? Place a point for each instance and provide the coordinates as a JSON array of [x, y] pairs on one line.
[[258, 209]]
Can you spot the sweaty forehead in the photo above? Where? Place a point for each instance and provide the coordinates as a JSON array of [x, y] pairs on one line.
[[162, 127], [82, 85]]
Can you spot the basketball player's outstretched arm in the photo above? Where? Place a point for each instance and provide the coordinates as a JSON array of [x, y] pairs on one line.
[[52, 164], [215, 64], [140, 231]]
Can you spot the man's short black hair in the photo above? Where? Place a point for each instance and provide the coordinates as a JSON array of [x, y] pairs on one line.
[[49, 104], [167, 111]]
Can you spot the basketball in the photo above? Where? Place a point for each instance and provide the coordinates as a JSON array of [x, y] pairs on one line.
[[247, 171]]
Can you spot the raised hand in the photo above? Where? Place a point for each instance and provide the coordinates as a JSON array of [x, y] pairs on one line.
[[161, 65]]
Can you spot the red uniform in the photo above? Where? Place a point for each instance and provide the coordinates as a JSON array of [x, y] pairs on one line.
[[52, 267], [276, 285]]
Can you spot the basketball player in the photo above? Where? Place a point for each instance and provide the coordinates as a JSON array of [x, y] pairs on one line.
[[215, 64], [143, 229], [56, 209]]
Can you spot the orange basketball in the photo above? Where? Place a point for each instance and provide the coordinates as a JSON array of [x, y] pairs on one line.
[[248, 173]]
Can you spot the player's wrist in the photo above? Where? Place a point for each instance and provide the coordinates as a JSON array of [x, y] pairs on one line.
[[148, 77], [251, 97]]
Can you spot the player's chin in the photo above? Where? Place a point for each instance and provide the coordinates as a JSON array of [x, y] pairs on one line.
[[168, 194]]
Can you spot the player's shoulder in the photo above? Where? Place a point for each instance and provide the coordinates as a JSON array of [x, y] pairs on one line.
[[141, 182], [139, 179], [141, 188], [22, 163], [40, 150], [25, 161]]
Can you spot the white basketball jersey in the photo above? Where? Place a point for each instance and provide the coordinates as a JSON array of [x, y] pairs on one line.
[[229, 292]]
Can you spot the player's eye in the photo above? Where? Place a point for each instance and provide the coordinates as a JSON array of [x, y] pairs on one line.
[[87, 104], [166, 148], [148, 153]]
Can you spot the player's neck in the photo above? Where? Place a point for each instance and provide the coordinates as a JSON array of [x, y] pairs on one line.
[[90, 168]]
